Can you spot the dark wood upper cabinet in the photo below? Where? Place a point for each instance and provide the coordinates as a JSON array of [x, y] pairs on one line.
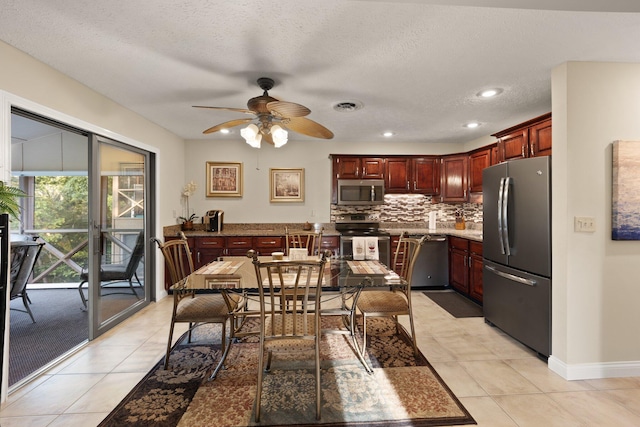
[[454, 178], [540, 139], [372, 167], [357, 167], [397, 174], [478, 161], [426, 175], [416, 175], [529, 139]]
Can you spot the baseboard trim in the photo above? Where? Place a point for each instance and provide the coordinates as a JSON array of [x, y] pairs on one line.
[[589, 371]]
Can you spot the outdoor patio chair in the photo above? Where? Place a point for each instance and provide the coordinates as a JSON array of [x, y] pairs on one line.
[[24, 255], [113, 273]]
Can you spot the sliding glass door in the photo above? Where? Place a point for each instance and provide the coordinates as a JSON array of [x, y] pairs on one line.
[[118, 243]]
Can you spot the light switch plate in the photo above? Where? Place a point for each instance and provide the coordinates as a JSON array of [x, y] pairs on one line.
[[584, 224]]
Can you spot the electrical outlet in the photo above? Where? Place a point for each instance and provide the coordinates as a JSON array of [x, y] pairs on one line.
[[584, 224]]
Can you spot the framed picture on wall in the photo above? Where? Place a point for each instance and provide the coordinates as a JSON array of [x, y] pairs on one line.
[[286, 185], [625, 204], [224, 179]]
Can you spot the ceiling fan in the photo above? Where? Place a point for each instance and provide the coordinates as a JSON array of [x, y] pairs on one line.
[[272, 119]]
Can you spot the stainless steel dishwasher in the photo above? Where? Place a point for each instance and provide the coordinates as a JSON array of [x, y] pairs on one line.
[[432, 266]]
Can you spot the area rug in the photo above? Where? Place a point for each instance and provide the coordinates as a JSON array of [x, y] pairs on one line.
[[455, 304], [404, 390]]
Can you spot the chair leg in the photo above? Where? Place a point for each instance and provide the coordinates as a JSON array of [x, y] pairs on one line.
[[413, 333], [131, 286], [259, 389], [318, 395], [166, 358], [84, 300], [24, 301]]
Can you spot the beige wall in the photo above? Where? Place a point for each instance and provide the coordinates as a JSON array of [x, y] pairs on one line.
[[313, 156], [31, 85], [595, 279]]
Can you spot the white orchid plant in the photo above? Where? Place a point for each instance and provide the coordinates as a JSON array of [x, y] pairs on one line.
[[188, 190]]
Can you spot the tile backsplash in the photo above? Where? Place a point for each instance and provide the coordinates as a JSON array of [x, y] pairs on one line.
[[409, 208]]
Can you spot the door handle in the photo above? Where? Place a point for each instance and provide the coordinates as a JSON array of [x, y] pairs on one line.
[[512, 277]]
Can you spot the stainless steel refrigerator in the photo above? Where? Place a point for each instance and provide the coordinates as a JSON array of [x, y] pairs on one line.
[[517, 250]]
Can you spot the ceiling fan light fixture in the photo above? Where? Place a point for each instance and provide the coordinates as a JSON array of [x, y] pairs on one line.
[[279, 136], [252, 135]]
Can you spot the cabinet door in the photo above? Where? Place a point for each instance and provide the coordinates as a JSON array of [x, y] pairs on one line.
[[397, 172], [459, 271], [208, 249], [426, 175], [331, 243], [372, 167], [347, 167], [458, 264], [454, 178], [478, 161], [475, 271], [515, 145], [540, 139]]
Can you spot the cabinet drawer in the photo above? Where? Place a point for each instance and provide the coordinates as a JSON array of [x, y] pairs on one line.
[[458, 243], [268, 242], [209, 242], [239, 242], [475, 247], [330, 242]]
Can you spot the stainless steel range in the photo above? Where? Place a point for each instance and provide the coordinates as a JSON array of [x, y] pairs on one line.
[[353, 225]]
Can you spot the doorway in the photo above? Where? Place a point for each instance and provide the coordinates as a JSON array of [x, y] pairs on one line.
[[87, 201]]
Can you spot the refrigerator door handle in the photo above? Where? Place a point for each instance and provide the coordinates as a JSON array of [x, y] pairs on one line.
[[500, 219], [511, 277], [505, 217]]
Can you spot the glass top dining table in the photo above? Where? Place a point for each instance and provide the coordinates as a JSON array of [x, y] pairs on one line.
[[343, 279]]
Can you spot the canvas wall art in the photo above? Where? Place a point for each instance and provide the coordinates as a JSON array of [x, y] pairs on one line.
[[625, 215]]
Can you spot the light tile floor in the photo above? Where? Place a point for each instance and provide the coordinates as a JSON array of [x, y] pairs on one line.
[[499, 381]]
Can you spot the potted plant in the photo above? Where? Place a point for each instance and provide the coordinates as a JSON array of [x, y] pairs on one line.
[[187, 220], [9, 200]]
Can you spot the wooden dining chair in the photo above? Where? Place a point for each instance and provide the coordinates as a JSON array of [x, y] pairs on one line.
[[189, 307], [303, 239], [396, 301], [288, 326]]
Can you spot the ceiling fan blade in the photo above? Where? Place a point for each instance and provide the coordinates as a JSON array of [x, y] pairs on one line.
[[237, 110], [287, 109], [308, 127], [227, 125]]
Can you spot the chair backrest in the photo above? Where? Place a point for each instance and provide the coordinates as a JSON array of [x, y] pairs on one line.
[[24, 255], [289, 296], [406, 256], [177, 257], [304, 239], [136, 255]]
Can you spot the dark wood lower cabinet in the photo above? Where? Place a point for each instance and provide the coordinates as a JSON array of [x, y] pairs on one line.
[[465, 267]]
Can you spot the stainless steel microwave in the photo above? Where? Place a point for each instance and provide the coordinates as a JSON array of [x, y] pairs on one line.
[[360, 191]]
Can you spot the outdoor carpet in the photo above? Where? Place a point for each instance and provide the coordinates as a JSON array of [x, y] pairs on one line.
[[456, 304], [404, 389]]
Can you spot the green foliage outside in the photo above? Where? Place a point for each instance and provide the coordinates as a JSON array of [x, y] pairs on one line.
[[61, 202]]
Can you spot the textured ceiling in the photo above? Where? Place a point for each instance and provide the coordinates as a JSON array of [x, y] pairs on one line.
[[416, 66]]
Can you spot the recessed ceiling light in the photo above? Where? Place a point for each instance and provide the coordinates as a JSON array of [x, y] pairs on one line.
[[472, 125], [388, 134], [225, 131], [489, 93]]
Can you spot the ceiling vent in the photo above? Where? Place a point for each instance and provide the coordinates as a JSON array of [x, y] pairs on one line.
[[347, 106]]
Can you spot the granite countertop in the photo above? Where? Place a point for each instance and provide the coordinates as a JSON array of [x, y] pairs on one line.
[[473, 232]]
